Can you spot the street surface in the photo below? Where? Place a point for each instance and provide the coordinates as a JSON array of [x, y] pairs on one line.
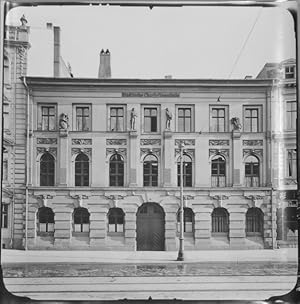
[[205, 275]]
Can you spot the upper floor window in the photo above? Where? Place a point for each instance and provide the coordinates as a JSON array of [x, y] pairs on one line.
[[117, 120], [292, 163], [6, 70], [291, 114], [185, 119], [252, 172], [252, 119], [47, 169], [220, 220], [4, 221], [115, 220], [254, 221], [218, 119], [82, 170], [187, 166], [5, 170], [218, 171], [150, 120], [83, 118], [48, 118], [45, 217], [116, 170], [188, 220], [81, 220], [290, 72], [150, 171]]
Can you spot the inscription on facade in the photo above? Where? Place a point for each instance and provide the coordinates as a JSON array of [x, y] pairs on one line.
[[216, 142], [252, 142], [187, 142], [81, 141], [46, 141], [150, 142], [150, 94], [116, 142]]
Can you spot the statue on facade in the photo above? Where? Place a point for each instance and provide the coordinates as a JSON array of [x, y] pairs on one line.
[[23, 21], [133, 117], [63, 121], [236, 123], [169, 118]]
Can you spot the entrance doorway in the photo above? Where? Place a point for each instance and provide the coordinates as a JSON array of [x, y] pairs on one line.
[[150, 227]]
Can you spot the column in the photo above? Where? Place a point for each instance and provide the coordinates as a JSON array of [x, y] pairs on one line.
[[236, 158], [168, 150], [133, 157], [62, 168]]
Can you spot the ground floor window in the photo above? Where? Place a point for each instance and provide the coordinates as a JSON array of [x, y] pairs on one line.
[[81, 220], [45, 217], [254, 222], [4, 216], [188, 221], [220, 221], [115, 220]]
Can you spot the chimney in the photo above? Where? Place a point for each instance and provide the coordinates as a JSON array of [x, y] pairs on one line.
[[104, 67], [56, 59]]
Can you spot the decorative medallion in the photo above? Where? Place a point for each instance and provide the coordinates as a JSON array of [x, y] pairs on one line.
[[186, 142], [81, 141], [252, 142], [216, 142], [189, 152], [87, 151], [150, 142], [155, 151], [116, 142], [121, 151], [46, 141], [219, 152], [42, 150], [252, 152]]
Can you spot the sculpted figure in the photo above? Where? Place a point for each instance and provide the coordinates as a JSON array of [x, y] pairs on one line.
[[169, 118], [133, 117], [63, 121], [236, 123]]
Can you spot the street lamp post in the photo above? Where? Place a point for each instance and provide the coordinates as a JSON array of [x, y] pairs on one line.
[[181, 212]]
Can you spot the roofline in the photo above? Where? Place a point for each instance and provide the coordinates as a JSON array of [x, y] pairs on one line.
[[111, 82]]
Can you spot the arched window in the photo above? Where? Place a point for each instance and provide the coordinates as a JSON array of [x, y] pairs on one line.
[[218, 171], [81, 220], [187, 171], [45, 218], [188, 220], [115, 220], [116, 170], [47, 170], [82, 169], [220, 220], [252, 172], [254, 221], [150, 171]]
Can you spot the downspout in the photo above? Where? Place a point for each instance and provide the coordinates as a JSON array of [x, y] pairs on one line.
[[27, 164]]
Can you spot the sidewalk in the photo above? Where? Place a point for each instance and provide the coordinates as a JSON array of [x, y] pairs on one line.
[[282, 255]]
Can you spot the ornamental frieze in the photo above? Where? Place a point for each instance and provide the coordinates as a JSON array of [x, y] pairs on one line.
[[150, 142], [219, 152], [252, 142], [252, 152], [121, 151], [87, 151], [216, 142], [46, 141], [81, 141], [42, 150], [116, 142], [189, 152], [186, 142], [155, 151]]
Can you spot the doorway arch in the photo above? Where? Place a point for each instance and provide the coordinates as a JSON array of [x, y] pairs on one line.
[[150, 233]]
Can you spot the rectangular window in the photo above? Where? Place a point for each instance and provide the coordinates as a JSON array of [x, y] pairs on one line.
[[252, 119], [185, 119], [218, 120], [289, 72], [4, 216], [150, 120], [5, 170], [83, 119], [291, 114], [117, 119], [292, 163], [48, 117]]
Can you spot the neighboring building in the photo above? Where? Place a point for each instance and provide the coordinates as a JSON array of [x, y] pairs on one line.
[[284, 149]]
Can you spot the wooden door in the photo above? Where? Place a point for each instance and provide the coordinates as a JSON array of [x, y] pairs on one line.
[[150, 227]]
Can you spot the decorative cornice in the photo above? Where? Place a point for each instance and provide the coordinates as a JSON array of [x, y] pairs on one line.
[[121, 151], [42, 150], [252, 152], [217, 142], [46, 141], [257, 142], [81, 141], [116, 142], [87, 151], [150, 142], [186, 142], [219, 152], [154, 151]]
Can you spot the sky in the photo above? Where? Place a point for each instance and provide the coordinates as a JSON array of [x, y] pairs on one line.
[[188, 42]]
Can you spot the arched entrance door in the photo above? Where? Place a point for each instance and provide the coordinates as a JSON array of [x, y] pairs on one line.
[[150, 227]]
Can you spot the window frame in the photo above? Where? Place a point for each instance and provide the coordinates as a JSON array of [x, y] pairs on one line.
[[82, 168], [54, 170], [257, 222], [213, 107], [293, 160], [158, 112], [117, 174], [116, 225], [4, 216], [218, 176], [252, 176], [185, 216], [185, 175], [40, 126], [192, 123], [76, 225], [259, 109], [291, 115], [151, 170], [224, 223], [109, 121], [75, 126], [288, 74], [47, 232]]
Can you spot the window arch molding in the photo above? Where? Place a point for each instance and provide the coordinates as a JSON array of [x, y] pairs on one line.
[[72, 169], [116, 170], [188, 158], [81, 165], [39, 161], [253, 155], [254, 222], [219, 182], [151, 169]]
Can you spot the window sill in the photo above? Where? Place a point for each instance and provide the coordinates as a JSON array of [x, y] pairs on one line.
[[112, 234]]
